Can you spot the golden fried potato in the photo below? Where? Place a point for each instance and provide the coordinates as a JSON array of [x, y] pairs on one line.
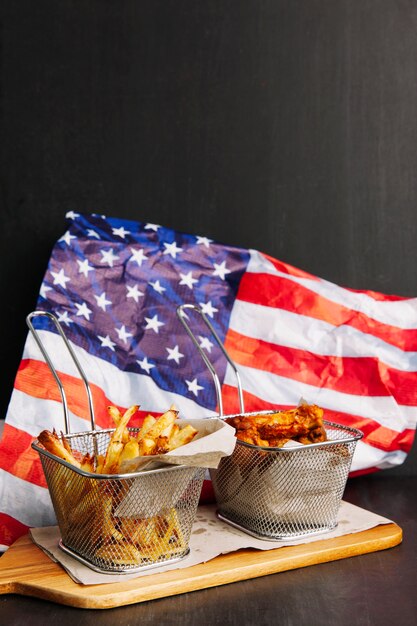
[[51, 442]]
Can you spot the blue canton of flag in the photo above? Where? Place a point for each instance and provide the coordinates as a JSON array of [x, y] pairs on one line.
[[115, 285]]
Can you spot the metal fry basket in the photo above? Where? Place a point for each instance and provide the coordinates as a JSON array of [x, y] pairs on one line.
[[279, 493], [117, 523]]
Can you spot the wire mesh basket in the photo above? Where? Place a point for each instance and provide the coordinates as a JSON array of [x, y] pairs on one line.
[[278, 493], [282, 493], [117, 523], [121, 522]]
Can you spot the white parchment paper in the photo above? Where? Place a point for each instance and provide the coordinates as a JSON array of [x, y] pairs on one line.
[[210, 537]]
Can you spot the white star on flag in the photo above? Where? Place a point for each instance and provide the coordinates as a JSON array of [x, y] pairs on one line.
[[187, 279], [102, 302], [193, 386], [174, 355], [108, 257], [71, 215], [172, 249], [153, 323], [60, 278], [138, 255], [92, 233], [84, 267], [204, 241], [208, 308], [157, 286], [220, 270], [205, 343], [64, 319], [152, 227], [145, 365], [134, 292], [83, 310], [44, 288], [106, 342], [120, 232], [67, 238], [123, 335]]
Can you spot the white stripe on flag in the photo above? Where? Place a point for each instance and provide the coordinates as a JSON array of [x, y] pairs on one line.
[[279, 390], [301, 332], [400, 313], [43, 414], [368, 456], [26, 502]]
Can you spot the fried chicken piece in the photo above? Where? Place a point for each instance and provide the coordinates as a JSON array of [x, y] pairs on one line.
[[303, 424], [251, 435]]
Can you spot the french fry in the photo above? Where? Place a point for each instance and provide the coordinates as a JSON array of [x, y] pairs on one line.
[[51, 442], [114, 413], [84, 510], [174, 431], [162, 423], [116, 444], [146, 446], [133, 529], [148, 422], [65, 443], [128, 554], [87, 463], [161, 445], [130, 451], [100, 463], [183, 436], [143, 540], [105, 521], [167, 431]]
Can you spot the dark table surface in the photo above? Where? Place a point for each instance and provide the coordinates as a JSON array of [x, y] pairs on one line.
[[373, 589]]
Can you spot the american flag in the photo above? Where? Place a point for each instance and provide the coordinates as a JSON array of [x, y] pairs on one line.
[[114, 285]]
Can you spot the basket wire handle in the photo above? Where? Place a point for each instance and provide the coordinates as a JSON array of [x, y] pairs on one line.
[[53, 370], [183, 319]]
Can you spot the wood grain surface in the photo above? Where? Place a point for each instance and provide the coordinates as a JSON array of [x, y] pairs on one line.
[[26, 570]]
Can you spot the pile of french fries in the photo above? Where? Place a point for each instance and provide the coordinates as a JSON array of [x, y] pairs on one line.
[[91, 505], [157, 436]]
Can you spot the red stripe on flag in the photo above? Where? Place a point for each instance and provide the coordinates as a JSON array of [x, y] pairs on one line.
[[18, 458], [35, 379], [355, 375], [11, 529], [374, 434], [280, 293]]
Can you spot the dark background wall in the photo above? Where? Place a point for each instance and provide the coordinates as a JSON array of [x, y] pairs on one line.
[[284, 125]]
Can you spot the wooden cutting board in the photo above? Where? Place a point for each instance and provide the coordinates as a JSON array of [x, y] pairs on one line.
[[26, 570]]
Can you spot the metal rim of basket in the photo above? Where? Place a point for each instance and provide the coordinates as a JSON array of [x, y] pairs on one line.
[[126, 476], [355, 433], [121, 571]]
